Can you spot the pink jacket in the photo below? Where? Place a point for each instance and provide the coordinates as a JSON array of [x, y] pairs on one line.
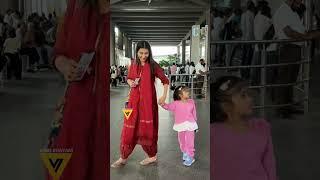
[[182, 111]]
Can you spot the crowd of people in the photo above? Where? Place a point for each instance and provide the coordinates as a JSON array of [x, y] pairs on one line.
[[118, 75], [186, 74], [32, 36], [180, 74], [257, 22]]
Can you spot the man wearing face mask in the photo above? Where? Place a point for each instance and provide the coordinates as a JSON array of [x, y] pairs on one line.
[[288, 25]]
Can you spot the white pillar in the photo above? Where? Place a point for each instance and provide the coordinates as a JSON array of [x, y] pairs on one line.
[[195, 43]]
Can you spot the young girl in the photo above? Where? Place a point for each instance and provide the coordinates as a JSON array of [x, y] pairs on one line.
[[241, 146], [185, 122]]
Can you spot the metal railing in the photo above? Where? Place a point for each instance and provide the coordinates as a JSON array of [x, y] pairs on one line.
[[197, 87], [301, 84]]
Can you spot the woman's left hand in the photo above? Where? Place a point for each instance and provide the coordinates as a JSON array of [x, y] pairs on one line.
[[162, 100]]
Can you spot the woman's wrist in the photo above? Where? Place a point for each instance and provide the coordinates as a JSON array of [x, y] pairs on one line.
[[58, 63]]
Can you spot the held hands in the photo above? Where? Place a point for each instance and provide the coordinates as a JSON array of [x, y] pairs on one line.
[[162, 100]]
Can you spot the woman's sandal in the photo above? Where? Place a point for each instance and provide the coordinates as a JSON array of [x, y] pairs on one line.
[[119, 163], [148, 161]]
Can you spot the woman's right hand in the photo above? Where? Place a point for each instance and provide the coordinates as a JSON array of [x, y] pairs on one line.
[[67, 67], [132, 84]]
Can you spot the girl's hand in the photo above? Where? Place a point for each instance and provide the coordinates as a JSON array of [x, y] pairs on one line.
[[162, 100], [67, 67], [161, 104]]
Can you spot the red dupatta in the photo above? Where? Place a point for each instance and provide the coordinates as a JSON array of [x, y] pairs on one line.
[[139, 128]]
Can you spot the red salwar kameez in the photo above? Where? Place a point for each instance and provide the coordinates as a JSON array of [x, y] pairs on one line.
[[142, 126], [85, 128]]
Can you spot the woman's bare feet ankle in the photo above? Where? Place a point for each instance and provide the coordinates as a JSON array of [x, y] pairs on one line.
[[149, 160], [119, 163]]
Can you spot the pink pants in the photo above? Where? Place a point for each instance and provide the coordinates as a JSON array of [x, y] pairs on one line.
[[186, 141]]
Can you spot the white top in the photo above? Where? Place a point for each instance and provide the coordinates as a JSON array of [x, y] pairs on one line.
[[15, 22], [218, 24], [8, 19], [178, 70], [12, 45], [261, 25], [199, 68], [247, 20], [186, 68], [284, 17], [191, 69], [186, 126]]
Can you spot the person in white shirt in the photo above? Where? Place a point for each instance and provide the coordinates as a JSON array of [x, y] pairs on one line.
[[247, 28], [288, 25], [8, 18], [200, 74], [11, 49], [262, 26], [173, 71], [15, 20], [218, 24]]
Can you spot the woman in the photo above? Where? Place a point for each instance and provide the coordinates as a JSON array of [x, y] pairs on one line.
[[142, 126], [84, 127]]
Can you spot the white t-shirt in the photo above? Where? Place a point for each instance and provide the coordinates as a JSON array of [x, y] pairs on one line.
[[247, 20], [8, 19], [191, 69], [218, 24], [284, 17], [15, 22], [199, 68], [178, 70], [186, 69], [12, 45], [261, 25]]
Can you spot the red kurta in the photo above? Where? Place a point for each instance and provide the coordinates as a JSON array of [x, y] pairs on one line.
[[142, 126], [85, 128]]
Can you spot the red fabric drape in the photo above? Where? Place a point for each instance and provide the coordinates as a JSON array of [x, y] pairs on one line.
[[85, 126], [142, 126]]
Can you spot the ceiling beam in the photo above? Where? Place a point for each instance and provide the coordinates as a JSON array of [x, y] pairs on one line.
[[112, 2], [200, 21], [152, 29], [164, 8], [156, 32], [155, 15], [153, 20], [155, 24], [200, 2], [157, 38]]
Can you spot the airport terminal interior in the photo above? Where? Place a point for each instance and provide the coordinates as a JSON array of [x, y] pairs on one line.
[[179, 31]]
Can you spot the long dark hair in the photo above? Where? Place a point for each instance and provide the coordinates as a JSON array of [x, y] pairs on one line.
[[146, 45], [221, 91]]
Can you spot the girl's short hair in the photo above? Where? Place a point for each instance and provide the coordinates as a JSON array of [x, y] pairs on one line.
[[177, 91], [221, 91]]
